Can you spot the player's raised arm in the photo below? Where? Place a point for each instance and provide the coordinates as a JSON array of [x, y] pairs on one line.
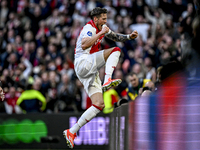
[[89, 41], [122, 37]]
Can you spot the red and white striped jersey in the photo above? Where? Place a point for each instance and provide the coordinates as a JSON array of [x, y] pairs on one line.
[[89, 30]]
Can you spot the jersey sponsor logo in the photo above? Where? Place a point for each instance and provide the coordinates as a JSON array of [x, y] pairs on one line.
[[89, 33], [98, 41]]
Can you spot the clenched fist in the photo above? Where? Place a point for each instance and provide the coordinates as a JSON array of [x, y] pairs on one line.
[[134, 34]]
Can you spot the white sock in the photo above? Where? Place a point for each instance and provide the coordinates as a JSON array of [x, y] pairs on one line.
[[88, 115], [74, 128], [111, 63]]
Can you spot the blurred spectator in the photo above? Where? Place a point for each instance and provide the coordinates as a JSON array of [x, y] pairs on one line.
[[118, 74], [43, 30], [74, 32], [158, 18], [4, 56], [53, 19], [141, 27], [186, 25], [111, 13], [189, 12], [45, 83], [166, 6], [158, 76], [149, 86], [67, 7], [135, 56], [2, 40], [122, 7], [149, 49], [11, 19], [10, 101], [58, 63], [170, 29], [153, 4], [149, 69], [32, 100], [21, 4], [110, 97], [135, 83], [66, 93], [11, 36], [26, 50], [4, 11], [6, 80], [60, 41], [2, 107], [138, 8], [64, 23], [177, 9], [45, 8], [18, 45], [127, 21], [12, 61], [91, 4], [52, 95], [42, 40], [22, 72], [2, 94], [167, 50], [118, 25], [80, 7], [192, 65], [82, 100], [52, 52], [35, 18], [67, 70], [39, 57], [64, 7], [138, 70]]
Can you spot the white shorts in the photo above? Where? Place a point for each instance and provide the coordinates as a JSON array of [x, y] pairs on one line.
[[87, 70]]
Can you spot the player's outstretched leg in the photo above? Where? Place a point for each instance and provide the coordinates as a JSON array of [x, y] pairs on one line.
[[69, 138], [88, 115]]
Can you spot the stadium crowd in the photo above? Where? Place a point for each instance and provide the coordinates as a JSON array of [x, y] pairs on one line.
[[37, 41]]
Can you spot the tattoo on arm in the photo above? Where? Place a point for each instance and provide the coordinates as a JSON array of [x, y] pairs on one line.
[[117, 37]]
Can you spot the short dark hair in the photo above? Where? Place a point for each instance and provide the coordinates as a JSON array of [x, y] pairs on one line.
[[132, 73], [96, 12]]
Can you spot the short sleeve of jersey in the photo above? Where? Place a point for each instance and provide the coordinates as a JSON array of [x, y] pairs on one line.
[[88, 31]]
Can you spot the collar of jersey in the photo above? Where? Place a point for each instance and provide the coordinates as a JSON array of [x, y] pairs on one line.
[[92, 23]]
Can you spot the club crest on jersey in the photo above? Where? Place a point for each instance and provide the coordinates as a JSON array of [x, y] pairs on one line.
[[89, 33]]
